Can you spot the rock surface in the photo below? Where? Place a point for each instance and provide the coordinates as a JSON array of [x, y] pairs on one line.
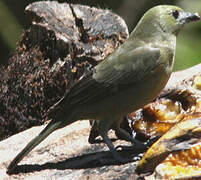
[[65, 154]]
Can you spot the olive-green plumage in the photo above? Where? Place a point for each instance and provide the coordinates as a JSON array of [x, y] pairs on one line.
[[125, 81]]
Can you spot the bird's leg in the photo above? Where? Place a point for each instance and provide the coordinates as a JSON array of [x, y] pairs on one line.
[[93, 133], [103, 127], [137, 144]]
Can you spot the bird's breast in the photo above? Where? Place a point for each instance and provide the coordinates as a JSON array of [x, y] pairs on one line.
[[130, 98], [143, 92]]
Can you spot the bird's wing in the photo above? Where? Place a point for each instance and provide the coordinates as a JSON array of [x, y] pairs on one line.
[[108, 77]]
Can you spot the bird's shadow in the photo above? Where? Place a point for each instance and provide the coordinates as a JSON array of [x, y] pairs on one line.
[[91, 160]]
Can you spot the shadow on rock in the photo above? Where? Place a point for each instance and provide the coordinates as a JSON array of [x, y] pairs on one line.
[[92, 160]]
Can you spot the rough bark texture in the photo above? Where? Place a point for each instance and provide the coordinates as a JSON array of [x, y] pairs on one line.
[[63, 42]]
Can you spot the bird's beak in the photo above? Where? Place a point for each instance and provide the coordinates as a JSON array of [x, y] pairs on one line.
[[187, 17]]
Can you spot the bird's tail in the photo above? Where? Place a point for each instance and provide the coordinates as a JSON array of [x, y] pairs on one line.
[[52, 126]]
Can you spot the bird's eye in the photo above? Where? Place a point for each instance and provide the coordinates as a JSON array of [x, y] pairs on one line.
[[175, 14]]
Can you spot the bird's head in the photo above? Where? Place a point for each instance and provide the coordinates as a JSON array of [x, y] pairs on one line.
[[165, 18]]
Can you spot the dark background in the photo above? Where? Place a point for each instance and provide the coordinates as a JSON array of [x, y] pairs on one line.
[[13, 21]]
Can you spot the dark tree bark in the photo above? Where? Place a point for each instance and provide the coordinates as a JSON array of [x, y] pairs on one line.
[[63, 42]]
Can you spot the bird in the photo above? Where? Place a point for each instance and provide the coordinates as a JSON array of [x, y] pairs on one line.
[[129, 78]]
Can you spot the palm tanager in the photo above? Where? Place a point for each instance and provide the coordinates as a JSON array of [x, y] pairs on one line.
[[129, 78]]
